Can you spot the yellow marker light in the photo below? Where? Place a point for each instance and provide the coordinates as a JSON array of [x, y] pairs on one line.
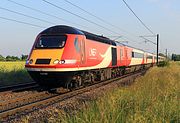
[[56, 61]]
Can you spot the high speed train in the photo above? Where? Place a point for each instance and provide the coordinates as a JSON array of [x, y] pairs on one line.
[[67, 56]]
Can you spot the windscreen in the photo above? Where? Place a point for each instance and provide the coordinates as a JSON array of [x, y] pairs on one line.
[[51, 41]]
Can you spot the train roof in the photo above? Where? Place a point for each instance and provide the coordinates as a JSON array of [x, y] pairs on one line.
[[139, 49], [98, 38], [62, 29]]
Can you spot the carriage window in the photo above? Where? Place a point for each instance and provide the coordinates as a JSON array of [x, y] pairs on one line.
[[51, 41], [150, 57], [137, 55]]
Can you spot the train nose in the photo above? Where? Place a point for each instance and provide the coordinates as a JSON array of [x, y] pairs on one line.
[[45, 57]]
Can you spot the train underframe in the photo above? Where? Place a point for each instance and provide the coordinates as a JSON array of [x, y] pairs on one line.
[[83, 78]]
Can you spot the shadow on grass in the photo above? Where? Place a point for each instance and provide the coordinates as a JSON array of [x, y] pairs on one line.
[[14, 77]]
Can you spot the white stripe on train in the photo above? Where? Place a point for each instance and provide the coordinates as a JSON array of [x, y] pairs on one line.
[[104, 64]]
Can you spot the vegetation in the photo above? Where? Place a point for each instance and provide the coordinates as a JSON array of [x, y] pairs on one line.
[[152, 98], [163, 63], [175, 57], [13, 58], [13, 73], [2, 58]]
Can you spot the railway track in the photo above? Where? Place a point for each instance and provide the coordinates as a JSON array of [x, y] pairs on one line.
[[13, 108], [18, 87], [16, 91]]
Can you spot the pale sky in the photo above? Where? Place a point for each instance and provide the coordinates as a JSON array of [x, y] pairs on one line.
[[161, 16]]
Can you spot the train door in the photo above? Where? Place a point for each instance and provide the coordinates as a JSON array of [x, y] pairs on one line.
[[126, 56], [114, 56], [144, 58], [121, 54], [82, 51]]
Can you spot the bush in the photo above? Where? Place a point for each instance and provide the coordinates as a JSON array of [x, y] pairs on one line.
[[163, 63]]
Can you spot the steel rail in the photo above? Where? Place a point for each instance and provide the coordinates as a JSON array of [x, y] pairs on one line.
[[17, 87]]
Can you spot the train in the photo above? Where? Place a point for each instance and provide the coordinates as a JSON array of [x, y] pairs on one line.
[[66, 56]]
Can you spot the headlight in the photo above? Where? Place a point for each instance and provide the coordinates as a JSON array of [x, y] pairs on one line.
[[62, 62], [31, 61], [56, 61]]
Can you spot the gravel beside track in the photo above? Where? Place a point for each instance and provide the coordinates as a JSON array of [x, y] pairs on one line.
[[17, 91]]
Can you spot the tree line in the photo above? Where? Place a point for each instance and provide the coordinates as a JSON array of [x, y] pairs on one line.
[[13, 58]]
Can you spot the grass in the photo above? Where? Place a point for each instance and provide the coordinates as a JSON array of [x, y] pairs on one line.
[[153, 98], [13, 73]]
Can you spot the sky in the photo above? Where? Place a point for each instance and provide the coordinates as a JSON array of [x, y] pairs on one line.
[[160, 16]]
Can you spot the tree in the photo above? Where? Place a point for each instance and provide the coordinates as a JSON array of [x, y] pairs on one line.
[[8, 58], [12, 58], [24, 57], [2, 58], [175, 57]]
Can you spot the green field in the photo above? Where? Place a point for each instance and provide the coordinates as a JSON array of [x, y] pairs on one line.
[[13, 73], [153, 98]]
